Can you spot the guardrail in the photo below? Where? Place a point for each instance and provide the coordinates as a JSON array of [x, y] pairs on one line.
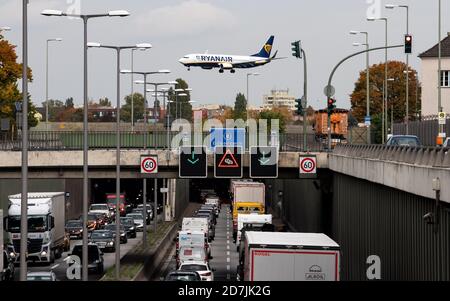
[[420, 155], [73, 140]]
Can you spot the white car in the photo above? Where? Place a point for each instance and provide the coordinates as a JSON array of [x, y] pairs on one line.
[[200, 267], [447, 142], [138, 220], [100, 208]]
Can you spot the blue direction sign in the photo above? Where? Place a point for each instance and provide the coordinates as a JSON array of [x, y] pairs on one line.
[[223, 137]]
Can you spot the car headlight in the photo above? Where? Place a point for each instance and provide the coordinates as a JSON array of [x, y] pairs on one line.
[[12, 255], [132, 229], [111, 243]]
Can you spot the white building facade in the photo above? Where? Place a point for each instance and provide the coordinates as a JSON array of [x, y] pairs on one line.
[[279, 99]]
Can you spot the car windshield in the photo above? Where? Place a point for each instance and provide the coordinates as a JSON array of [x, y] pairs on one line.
[[182, 277], [99, 207], [92, 217], [408, 141], [74, 224], [193, 267], [112, 227], [127, 221], [101, 235], [35, 224], [39, 278], [136, 216]]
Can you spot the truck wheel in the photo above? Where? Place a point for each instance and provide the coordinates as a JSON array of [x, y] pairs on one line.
[[100, 269], [52, 257], [58, 254]]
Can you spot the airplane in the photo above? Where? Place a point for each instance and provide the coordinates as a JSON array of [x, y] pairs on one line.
[[230, 62]]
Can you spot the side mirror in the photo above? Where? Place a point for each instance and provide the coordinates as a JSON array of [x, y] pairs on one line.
[[213, 270]]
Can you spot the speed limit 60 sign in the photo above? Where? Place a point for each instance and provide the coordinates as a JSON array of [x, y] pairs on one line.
[[149, 164], [308, 166]]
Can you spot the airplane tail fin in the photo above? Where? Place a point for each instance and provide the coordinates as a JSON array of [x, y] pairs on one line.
[[267, 49]]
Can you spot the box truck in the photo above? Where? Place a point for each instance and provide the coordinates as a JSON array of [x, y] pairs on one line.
[[197, 224], [253, 221], [247, 198], [284, 256], [46, 233]]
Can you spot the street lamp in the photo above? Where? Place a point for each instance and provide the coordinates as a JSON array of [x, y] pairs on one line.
[[392, 110], [392, 6], [46, 80], [354, 32], [85, 18], [248, 101], [118, 50], [144, 180], [5, 28], [132, 85], [385, 73]]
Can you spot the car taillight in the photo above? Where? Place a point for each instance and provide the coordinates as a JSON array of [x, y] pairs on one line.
[[178, 245], [207, 274]]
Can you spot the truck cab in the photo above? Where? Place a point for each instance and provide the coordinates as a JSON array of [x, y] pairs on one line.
[[245, 208], [46, 233]]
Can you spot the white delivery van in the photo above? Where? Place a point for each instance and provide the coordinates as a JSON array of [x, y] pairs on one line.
[[253, 220], [196, 224], [284, 256]]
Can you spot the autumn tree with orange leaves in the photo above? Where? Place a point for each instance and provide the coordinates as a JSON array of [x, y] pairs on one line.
[[396, 92]]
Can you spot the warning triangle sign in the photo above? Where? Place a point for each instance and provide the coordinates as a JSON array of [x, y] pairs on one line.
[[228, 160]]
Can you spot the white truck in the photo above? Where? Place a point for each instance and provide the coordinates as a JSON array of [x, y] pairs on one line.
[[196, 224], [193, 239], [284, 256], [46, 233], [253, 220]]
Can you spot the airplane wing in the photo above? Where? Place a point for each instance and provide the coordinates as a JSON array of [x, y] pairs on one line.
[[274, 57]]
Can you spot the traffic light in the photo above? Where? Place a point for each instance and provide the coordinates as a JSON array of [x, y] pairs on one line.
[[296, 49], [299, 107], [331, 106], [408, 43]]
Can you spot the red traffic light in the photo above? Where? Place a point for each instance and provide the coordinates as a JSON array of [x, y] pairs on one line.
[[408, 38]]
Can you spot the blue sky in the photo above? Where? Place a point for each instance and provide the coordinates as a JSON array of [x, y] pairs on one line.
[[176, 27]]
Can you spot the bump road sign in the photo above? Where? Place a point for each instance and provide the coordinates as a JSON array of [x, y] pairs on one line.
[[228, 162]]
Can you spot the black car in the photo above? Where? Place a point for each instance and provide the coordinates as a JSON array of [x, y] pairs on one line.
[[123, 233], [128, 224], [95, 257], [104, 239], [74, 228], [183, 276], [7, 270]]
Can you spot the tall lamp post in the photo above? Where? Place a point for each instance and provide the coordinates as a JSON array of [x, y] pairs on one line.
[[368, 119], [392, 109], [132, 85], [248, 101], [144, 180], [392, 6], [118, 50], [46, 80], [383, 139], [85, 18]]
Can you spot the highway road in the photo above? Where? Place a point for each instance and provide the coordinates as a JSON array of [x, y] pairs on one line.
[[60, 266], [223, 250]]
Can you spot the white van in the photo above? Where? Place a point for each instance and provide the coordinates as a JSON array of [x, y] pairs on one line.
[[196, 224], [255, 220]]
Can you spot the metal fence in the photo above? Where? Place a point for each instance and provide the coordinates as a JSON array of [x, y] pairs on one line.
[[426, 129], [73, 140]]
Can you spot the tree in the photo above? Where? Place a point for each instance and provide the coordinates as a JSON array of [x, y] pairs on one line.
[[396, 91], [274, 114], [240, 107], [138, 108], [10, 73], [184, 106], [69, 103], [104, 102], [55, 108]]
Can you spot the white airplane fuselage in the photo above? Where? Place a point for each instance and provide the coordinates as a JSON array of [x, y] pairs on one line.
[[222, 61]]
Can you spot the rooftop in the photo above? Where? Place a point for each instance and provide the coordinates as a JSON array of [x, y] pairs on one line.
[[433, 51]]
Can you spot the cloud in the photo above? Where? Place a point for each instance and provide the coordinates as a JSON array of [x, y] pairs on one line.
[[191, 17]]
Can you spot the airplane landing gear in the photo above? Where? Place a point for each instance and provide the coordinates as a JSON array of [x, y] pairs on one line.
[[233, 71], [189, 68], [221, 71]]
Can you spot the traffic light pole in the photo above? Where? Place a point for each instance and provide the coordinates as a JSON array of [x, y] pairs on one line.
[[330, 79]]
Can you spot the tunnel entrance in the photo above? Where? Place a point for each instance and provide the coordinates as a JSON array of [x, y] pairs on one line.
[[220, 186]]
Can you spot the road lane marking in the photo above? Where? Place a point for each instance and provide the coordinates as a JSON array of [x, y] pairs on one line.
[[228, 253], [228, 267], [228, 247], [228, 242], [228, 277], [228, 259], [54, 267]]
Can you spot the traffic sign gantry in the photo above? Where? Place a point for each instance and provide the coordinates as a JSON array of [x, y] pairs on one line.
[[193, 162], [264, 162], [149, 164], [308, 166], [228, 162]]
